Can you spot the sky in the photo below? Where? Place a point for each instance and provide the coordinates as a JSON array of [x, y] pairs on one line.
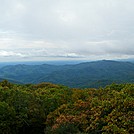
[[37, 30]]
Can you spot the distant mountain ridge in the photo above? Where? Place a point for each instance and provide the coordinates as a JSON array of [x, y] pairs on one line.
[[87, 74]]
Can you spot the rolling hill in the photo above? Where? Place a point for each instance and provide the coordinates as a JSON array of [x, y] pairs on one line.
[[88, 74]]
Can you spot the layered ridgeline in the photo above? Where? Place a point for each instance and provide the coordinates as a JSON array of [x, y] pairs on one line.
[[88, 74], [47, 108]]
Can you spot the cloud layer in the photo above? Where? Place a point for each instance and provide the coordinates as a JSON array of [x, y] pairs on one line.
[[66, 29]]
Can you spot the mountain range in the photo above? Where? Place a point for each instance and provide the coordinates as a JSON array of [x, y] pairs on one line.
[[82, 75]]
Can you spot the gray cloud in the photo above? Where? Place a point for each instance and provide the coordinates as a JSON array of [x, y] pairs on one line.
[[89, 29], [10, 54]]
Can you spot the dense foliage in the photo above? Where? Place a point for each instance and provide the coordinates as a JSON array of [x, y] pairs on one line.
[[89, 74], [55, 109]]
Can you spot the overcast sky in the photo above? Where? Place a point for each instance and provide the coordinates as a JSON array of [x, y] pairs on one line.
[[66, 29]]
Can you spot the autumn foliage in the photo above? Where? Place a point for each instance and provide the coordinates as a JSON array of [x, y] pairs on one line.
[[47, 108]]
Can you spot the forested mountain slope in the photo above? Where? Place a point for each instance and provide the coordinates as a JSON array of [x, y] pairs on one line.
[[47, 108], [89, 74]]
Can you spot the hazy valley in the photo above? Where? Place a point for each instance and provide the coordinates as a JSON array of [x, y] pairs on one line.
[[86, 74]]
